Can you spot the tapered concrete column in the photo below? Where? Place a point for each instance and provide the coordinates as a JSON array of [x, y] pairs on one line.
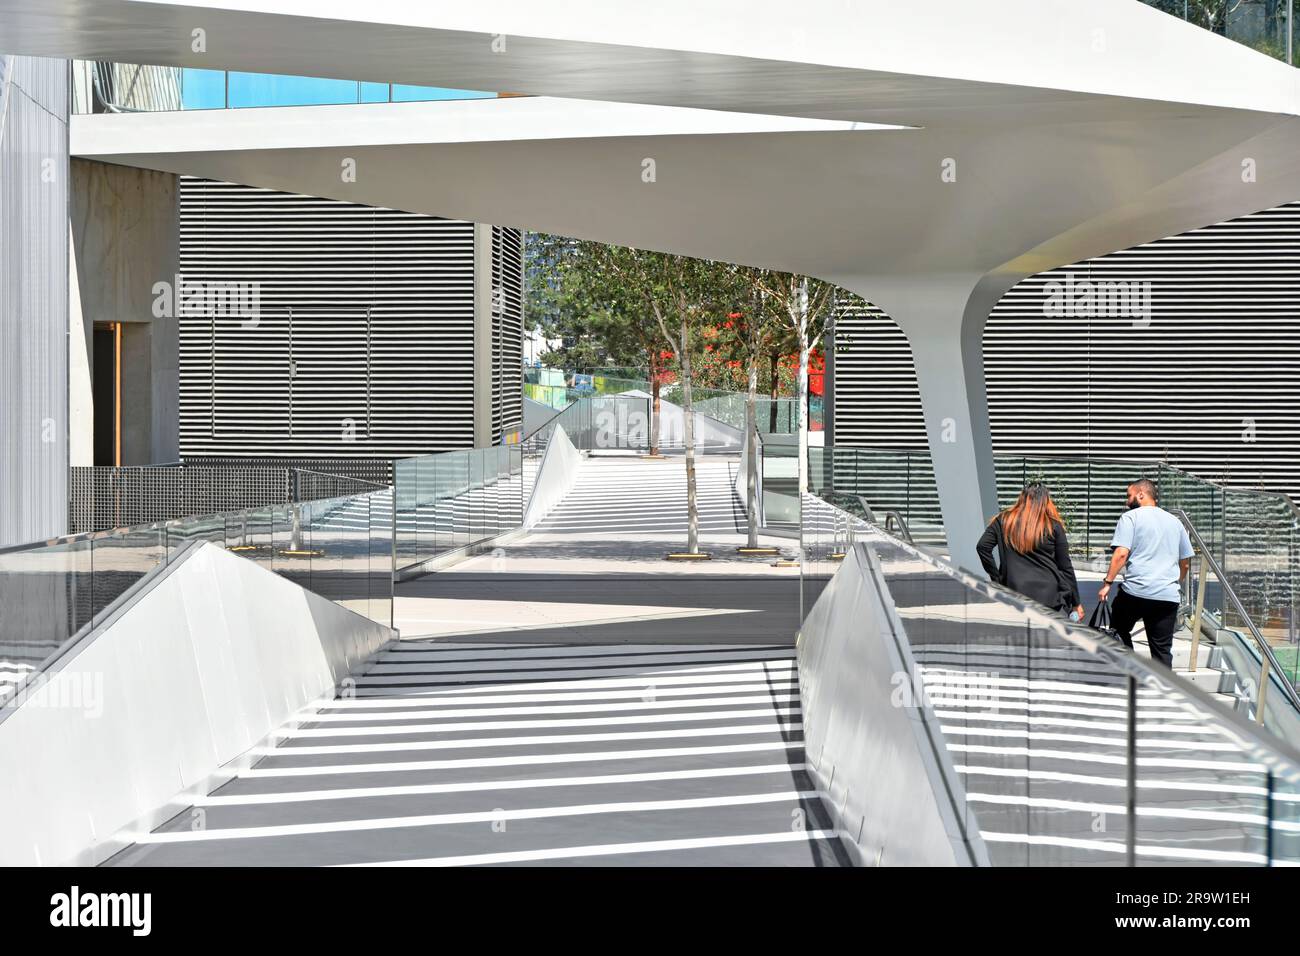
[[943, 318]]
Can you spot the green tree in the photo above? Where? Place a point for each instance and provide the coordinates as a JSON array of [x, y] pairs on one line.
[[683, 295], [581, 289], [563, 304]]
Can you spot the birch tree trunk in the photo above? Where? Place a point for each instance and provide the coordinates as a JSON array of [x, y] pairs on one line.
[[751, 453], [775, 391], [804, 349], [688, 432], [654, 403]]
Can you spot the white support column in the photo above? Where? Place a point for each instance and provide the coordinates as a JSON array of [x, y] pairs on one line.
[[943, 318]]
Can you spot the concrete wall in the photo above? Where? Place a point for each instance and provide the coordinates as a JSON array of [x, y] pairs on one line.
[[124, 240], [33, 299], [185, 679]]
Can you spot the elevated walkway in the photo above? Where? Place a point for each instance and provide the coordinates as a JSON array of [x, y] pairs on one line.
[[570, 698]]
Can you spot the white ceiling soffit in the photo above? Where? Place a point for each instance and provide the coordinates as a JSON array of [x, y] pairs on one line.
[[1009, 62], [440, 121]]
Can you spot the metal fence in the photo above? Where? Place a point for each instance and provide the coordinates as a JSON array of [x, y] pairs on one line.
[[103, 497], [377, 471]]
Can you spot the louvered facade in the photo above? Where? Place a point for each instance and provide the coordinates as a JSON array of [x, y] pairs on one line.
[[1209, 381], [363, 341], [507, 332]]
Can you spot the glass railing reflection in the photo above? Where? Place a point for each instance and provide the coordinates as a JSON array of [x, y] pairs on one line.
[[1254, 535], [600, 423], [1066, 749], [772, 415], [51, 593], [457, 499]]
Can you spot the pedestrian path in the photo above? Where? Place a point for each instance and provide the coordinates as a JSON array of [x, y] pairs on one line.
[[569, 699], [451, 754]]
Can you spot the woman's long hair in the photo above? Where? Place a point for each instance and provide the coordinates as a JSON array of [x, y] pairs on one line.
[[1030, 519]]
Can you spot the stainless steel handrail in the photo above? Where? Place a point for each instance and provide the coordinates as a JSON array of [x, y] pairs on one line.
[[338, 477], [104, 76], [163, 523], [1268, 661], [23, 687], [904, 532], [532, 435]]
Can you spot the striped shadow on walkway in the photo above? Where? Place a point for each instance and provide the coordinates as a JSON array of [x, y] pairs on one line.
[[496, 754]]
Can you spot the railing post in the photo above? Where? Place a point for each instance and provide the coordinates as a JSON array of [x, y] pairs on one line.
[[1202, 578], [1295, 604], [907, 484], [1265, 675], [1130, 800], [1087, 508], [1268, 820], [1290, 32], [392, 568], [1223, 543]]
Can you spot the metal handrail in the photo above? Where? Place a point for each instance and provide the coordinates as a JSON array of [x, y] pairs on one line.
[[1268, 661], [531, 436], [904, 532], [334, 475], [1282, 759], [165, 522], [23, 687], [121, 529], [103, 79]]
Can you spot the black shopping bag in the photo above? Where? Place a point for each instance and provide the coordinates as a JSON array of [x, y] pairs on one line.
[[1100, 620]]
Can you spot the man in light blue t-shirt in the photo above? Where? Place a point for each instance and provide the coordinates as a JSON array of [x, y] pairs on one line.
[[1154, 551]]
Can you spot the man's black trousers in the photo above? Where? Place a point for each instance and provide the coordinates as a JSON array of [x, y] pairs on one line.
[[1159, 617]]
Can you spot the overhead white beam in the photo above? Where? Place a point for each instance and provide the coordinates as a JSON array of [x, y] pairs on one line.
[[941, 63]]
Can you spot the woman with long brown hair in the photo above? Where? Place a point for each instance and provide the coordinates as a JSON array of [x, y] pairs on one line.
[[1035, 554]]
